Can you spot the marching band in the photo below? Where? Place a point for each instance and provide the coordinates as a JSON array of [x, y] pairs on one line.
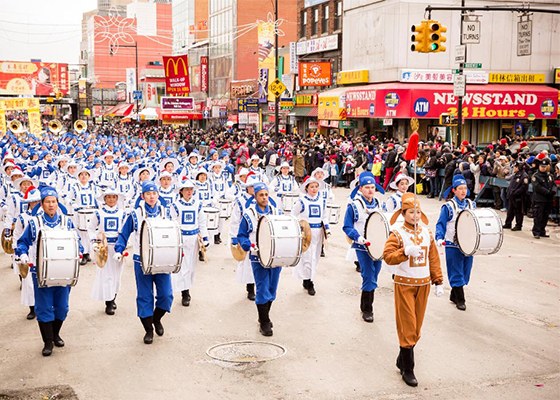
[[100, 196]]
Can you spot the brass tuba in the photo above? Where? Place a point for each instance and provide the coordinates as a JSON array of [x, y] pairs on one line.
[[15, 126], [80, 126], [55, 126]]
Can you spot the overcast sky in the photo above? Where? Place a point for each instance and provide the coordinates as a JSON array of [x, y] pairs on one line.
[[49, 30]]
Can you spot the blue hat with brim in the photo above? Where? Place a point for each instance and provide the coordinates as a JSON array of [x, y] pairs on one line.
[[458, 180], [366, 178], [257, 187], [47, 191], [149, 187]]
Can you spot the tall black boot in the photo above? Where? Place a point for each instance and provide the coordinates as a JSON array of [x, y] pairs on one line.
[[311, 288], [264, 321], [358, 268], [217, 239], [84, 259], [109, 310], [185, 298], [453, 295], [31, 314], [268, 308], [88, 257], [460, 294], [407, 362], [46, 329], [200, 257], [399, 360], [158, 314], [323, 251], [306, 283], [57, 324], [147, 323], [114, 304], [367, 305], [251, 291]]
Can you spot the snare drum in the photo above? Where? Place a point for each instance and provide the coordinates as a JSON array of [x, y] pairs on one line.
[[289, 200], [279, 241], [58, 258], [226, 208], [479, 231], [377, 231], [161, 245], [333, 211], [212, 218], [85, 215]]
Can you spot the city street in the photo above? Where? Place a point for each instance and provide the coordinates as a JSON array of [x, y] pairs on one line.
[[506, 345]]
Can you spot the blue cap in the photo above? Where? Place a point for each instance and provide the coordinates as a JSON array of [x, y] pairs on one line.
[[47, 191], [149, 187], [259, 186], [366, 178], [458, 180]]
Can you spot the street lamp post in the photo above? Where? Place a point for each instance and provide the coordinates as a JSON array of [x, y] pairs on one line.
[[135, 46], [531, 118]]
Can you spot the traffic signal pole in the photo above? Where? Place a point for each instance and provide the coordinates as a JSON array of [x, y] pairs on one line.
[[276, 102], [460, 100]]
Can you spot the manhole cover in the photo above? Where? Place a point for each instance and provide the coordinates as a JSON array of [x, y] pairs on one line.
[[354, 291], [246, 351]]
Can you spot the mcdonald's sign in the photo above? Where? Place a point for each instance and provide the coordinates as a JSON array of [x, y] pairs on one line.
[[177, 75]]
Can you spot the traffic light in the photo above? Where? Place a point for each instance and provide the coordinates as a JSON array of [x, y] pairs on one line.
[[421, 45], [435, 36]]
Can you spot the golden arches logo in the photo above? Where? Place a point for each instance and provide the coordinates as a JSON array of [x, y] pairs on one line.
[[176, 62]]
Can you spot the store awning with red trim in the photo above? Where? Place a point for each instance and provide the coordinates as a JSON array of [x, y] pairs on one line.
[[303, 112], [120, 110], [494, 101]]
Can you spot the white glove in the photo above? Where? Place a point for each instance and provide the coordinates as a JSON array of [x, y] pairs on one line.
[[95, 247], [439, 290], [117, 257], [440, 242], [412, 250], [361, 240], [24, 259]]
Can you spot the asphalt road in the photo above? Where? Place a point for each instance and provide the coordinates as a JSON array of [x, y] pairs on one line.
[[505, 346]]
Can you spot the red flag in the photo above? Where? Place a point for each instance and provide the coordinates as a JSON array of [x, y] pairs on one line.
[[412, 149]]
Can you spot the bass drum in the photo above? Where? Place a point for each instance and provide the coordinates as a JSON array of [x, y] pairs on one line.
[[479, 231], [377, 232], [279, 241], [58, 258], [161, 246]]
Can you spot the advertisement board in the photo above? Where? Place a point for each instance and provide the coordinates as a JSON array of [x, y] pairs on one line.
[[177, 104], [177, 75], [315, 73], [33, 78]]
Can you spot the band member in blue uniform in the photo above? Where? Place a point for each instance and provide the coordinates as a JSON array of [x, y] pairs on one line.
[[459, 266], [51, 303], [362, 204], [266, 279], [148, 207]]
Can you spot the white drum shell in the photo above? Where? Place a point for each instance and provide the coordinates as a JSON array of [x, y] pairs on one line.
[[479, 232], [226, 208], [377, 231], [212, 218], [333, 211], [58, 258], [84, 218], [289, 200], [279, 241], [161, 245]]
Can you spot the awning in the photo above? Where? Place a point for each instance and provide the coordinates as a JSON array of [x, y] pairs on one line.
[[409, 100], [120, 110], [150, 113], [303, 112], [332, 104]]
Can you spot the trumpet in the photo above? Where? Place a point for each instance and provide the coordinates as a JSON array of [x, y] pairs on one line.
[[55, 126], [80, 126]]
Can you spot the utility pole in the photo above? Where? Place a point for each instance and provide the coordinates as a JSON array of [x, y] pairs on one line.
[[276, 99], [136, 54], [460, 105]]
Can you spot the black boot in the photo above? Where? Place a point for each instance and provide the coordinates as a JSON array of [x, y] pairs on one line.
[[185, 298], [407, 363], [57, 324], [306, 283], [217, 239], [453, 295], [114, 304], [31, 314], [460, 296], [251, 291], [109, 310], [200, 258], [399, 361], [147, 323], [268, 308], [88, 257], [358, 268], [158, 314], [46, 329], [367, 305], [264, 321], [323, 251], [83, 261], [311, 288]]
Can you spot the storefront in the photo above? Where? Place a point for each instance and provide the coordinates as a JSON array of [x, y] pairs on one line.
[[303, 116], [487, 109]]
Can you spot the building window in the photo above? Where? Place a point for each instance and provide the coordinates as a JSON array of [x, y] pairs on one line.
[[303, 32], [338, 15], [315, 22], [325, 21]]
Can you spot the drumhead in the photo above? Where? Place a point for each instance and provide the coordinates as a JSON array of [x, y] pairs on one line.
[[264, 241], [40, 256], [377, 231], [145, 246], [467, 231]]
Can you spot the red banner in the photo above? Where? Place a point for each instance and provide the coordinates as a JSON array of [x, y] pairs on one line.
[[181, 116], [400, 100], [177, 75], [35, 78], [204, 74]]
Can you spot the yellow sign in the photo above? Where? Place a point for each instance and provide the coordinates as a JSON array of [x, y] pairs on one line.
[[557, 76], [87, 111], [330, 108], [349, 77], [3, 126], [276, 88], [495, 77], [34, 117], [18, 104]]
